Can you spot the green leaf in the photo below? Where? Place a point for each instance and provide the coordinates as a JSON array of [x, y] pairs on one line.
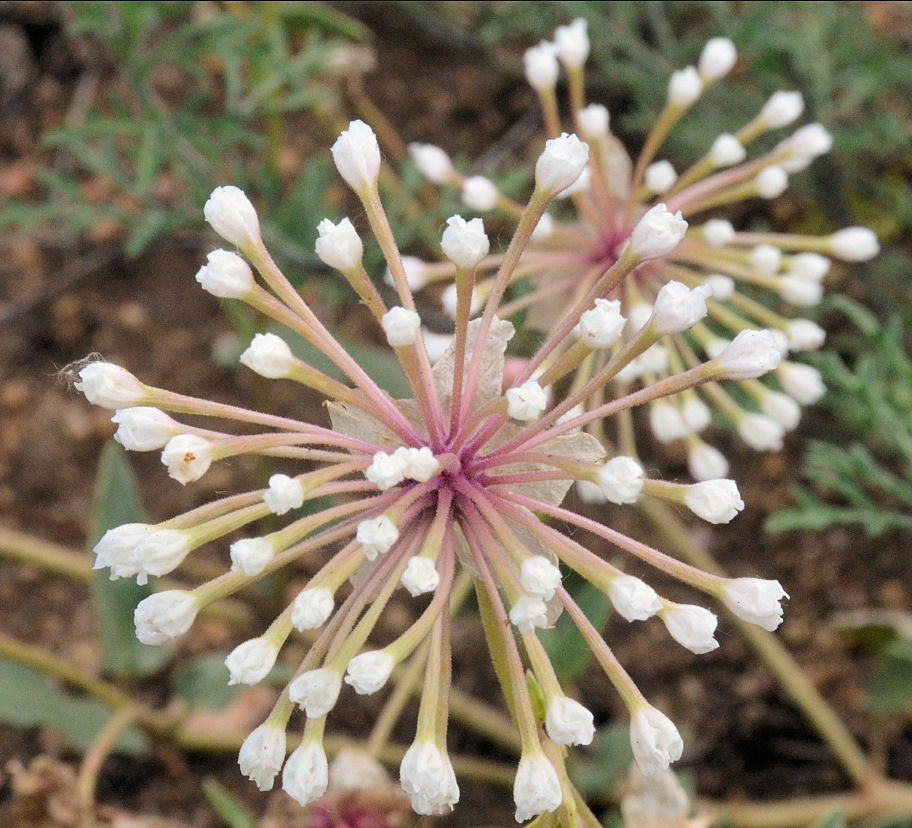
[[203, 683], [605, 763], [116, 501], [564, 643], [890, 688], [834, 820], [228, 807], [30, 699]]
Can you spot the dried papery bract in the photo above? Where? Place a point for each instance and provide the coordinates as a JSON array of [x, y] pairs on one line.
[[460, 482]]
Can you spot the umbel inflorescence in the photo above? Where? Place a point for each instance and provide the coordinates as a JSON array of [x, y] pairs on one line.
[[745, 277], [463, 480]]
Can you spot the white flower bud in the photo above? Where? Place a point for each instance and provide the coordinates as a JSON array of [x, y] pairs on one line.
[[568, 722], [432, 162], [541, 66], [781, 408], [660, 177], [716, 501], [225, 275], [760, 432], [716, 346], [316, 691], [386, 470], [571, 42], [562, 162], [809, 142], [116, 549], [755, 600], [415, 273], [536, 788], [782, 109], [250, 555], [749, 355], [811, 266], [717, 58], [187, 457], [633, 599], [338, 245], [448, 300], [781, 339], [581, 185], [284, 494], [803, 293], [593, 121], [621, 480], [803, 382], [262, 754], [726, 150], [353, 769], [311, 608], [110, 386], [601, 326], [851, 244], [230, 213], [479, 193], [159, 552], [544, 229], [142, 428], [771, 182], [691, 626], [529, 612], [420, 576], [666, 422], [369, 671], [657, 233], [464, 242], [250, 662], [684, 87], [766, 259], [722, 286], [377, 536], [538, 576], [436, 344], [696, 414], [356, 155], [589, 492], [427, 776], [655, 740], [705, 462], [678, 308], [269, 356], [164, 615], [400, 326], [420, 464], [718, 232], [527, 402], [306, 774]]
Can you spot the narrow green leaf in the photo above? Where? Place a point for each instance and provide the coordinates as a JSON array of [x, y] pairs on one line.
[[228, 807], [203, 683], [564, 643]]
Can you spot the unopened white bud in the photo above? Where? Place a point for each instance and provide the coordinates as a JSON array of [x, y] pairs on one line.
[[749, 355], [158, 552], [568, 722], [593, 121], [633, 599], [311, 608], [284, 494], [716, 501], [338, 245], [110, 386], [696, 414], [726, 150], [684, 87], [464, 242], [589, 492], [691, 626], [356, 154], [250, 662], [250, 556], [854, 244], [782, 408], [306, 773], [771, 182], [262, 754], [541, 66], [420, 463], [231, 215], [621, 480], [655, 740], [527, 402], [386, 470], [544, 229], [802, 293], [755, 600], [660, 177], [415, 273], [638, 315], [538, 576], [400, 326], [678, 307], [432, 162], [436, 344], [116, 549], [571, 42], [765, 258], [666, 422], [562, 162], [704, 462], [225, 275], [601, 326], [760, 432], [420, 576], [718, 232], [316, 691], [722, 286], [142, 428], [187, 457], [803, 382], [809, 266], [536, 788], [376, 535], [479, 193], [717, 58], [657, 233], [804, 335], [529, 612], [427, 776], [269, 356], [369, 671], [164, 615], [581, 185], [809, 142], [449, 298], [782, 109]]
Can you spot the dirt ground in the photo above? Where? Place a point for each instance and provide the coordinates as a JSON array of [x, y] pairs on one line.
[[60, 300]]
